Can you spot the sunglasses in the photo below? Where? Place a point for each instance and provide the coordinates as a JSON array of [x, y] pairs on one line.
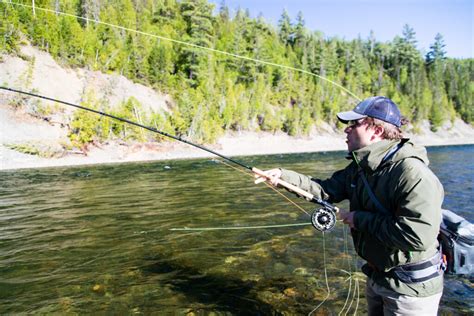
[[355, 123]]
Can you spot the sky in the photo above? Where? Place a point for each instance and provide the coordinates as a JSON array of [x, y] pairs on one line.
[[348, 19]]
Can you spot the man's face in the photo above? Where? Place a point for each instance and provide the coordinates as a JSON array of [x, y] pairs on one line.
[[359, 134]]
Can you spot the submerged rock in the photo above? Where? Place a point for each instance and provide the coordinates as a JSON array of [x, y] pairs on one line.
[[230, 259], [99, 289], [291, 292], [300, 271]]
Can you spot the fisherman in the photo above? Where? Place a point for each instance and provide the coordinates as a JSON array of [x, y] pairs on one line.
[[395, 209]]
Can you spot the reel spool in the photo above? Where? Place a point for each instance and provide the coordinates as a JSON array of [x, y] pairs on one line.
[[323, 219]]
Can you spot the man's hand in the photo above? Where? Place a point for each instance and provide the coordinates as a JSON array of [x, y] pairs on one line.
[[272, 176], [346, 217]]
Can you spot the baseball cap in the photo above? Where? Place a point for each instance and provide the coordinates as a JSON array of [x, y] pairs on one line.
[[381, 108]]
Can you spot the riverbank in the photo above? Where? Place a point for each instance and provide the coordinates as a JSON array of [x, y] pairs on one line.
[[46, 135], [325, 138]]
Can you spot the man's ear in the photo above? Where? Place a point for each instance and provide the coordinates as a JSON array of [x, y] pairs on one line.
[[378, 131]]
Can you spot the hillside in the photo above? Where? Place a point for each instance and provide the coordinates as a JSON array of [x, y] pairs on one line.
[[230, 72], [44, 133]]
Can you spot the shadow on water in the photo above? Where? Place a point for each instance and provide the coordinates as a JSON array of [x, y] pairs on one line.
[[222, 293]]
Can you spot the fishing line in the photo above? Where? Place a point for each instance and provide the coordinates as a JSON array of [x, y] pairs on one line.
[[355, 292], [325, 278], [355, 297], [353, 288], [238, 227], [249, 227], [213, 50], [358, 296], [348, 293], [269, 186], [352, 264], [344, 233]]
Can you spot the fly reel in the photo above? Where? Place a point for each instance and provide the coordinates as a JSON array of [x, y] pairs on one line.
[[323, 219]]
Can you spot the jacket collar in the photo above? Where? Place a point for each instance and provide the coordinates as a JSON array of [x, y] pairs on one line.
[[370, 157]]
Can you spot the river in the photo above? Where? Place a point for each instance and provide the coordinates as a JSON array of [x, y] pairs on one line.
[[101, 239]]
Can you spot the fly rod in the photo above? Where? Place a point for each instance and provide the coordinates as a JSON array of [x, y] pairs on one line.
[[322, 219]]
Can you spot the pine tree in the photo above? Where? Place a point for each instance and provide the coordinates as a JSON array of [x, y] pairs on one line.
[[437, 52], [242, 46], [435, 61], [224, 14], [285, 29], [299, 38], [161, 64], [88, 9], [404, 57], [200, 32], [9, 29]]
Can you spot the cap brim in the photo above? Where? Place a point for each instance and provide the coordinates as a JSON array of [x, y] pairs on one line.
[[345, 117]]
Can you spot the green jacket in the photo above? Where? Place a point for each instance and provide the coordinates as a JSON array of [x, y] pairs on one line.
[[407, 188]]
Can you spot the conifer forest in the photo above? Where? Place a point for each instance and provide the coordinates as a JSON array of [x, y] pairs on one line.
[[227, 71]]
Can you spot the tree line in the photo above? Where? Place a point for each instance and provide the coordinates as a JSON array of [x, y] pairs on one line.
[[215, 92]]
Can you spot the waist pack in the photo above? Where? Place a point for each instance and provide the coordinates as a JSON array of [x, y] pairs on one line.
[[456, 237]]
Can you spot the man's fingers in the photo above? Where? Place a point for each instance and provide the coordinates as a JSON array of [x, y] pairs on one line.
[[270, 176], [347, 217], [273, 181], [342, 214]]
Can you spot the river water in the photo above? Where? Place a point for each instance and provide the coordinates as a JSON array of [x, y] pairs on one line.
[[100, 239]]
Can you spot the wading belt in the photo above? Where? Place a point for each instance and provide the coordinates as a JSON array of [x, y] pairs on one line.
[[420, 271]]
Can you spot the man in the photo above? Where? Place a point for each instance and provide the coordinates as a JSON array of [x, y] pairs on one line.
[[395, 230]]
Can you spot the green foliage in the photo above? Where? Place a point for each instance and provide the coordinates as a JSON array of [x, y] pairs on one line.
[[436, 117], [85, 125], [161, 122], [9, 29], [214, 92], [437, 51], [27, 148], [285, 29], [197, 15], [37, 149], [161, 65], [130, 110]]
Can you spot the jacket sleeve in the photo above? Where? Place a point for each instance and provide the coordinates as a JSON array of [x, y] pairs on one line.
[[332, 189], [416, 206]]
